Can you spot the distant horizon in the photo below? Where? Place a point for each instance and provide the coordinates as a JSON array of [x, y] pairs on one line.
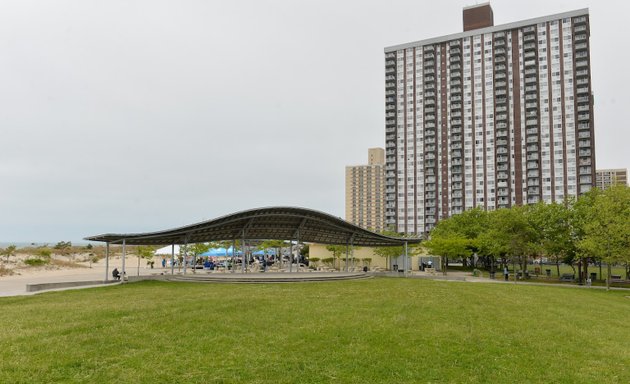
[[24, 244]]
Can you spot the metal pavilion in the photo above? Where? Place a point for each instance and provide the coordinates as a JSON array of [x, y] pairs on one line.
[[272, 223]]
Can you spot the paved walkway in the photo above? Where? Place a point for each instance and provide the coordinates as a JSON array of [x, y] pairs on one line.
[[16, 285]]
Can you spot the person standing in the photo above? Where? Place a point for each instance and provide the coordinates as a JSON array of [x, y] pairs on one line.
[[506, 273]]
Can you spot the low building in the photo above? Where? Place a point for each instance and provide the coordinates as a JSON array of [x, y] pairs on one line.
[[607, 177]]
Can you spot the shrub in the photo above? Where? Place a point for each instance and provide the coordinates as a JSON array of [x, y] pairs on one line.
[[35, 262]]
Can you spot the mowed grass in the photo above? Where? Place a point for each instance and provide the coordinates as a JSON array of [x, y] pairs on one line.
[[387, 330]]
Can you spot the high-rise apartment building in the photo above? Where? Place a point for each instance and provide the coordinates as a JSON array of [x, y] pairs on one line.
[[608, 177], [492, 117], [365, 192]]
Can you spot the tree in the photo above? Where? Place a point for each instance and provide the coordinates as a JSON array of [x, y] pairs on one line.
[[9, 251], [510, 234], [607, 225], [274, 244], [448, 245], [64, 247], [196, 250], [144, 252], [556, 229], [337, 251]]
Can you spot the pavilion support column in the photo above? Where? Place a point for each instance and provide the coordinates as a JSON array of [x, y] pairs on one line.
[[244, 255], [405, 261], [185, 253], [124, 255], [347, 253], [233, 255], [172, 258], [297, 244], [107, 261], [290, 256], [351, 251]]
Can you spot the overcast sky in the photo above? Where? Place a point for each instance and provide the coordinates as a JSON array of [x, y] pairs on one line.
[[133, 116]]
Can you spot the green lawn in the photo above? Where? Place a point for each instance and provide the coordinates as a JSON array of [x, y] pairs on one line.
[[387, 330]]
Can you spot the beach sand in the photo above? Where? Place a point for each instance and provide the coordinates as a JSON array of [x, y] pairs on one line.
[[15, 284]]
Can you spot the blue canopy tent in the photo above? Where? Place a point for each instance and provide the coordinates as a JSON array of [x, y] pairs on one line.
[[214, 252], [218, 252]]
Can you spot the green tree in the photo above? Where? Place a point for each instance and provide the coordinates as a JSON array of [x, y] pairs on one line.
[[9, 251], [607, 226], [144, 252], [64, 248], [277, 246], [510, 234], [337, 251], [555, 226]]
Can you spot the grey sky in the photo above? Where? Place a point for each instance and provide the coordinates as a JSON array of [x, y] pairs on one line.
[[141, 115]]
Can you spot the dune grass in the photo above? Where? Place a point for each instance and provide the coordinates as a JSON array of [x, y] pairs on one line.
[[385, 330]]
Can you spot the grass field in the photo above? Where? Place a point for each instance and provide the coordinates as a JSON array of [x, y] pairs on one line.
[[385, 330]]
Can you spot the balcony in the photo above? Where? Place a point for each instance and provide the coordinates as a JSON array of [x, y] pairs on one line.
[[581, 63], [532, 165], [455, 59], [429, 55], [532, 148], [581, 28], [579, 20], [583, 108], [529, 55], [584, 143], [585, 152], [501, 142], [584, 135], [502, 167], [581, 46], [584, 116], [585, 161], [528, 38], [532, 139], [455, 67], [503, 193], [532, 174], [533, 190], [502, 159], [501, 109], [500, 92]]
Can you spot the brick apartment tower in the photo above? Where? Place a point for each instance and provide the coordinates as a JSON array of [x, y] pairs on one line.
[[365, 192], [492, 117]]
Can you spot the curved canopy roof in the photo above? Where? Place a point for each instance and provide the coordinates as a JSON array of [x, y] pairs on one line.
[[276, 223]]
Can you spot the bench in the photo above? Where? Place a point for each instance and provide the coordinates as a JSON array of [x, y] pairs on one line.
[[567, 277], [616, 279]]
